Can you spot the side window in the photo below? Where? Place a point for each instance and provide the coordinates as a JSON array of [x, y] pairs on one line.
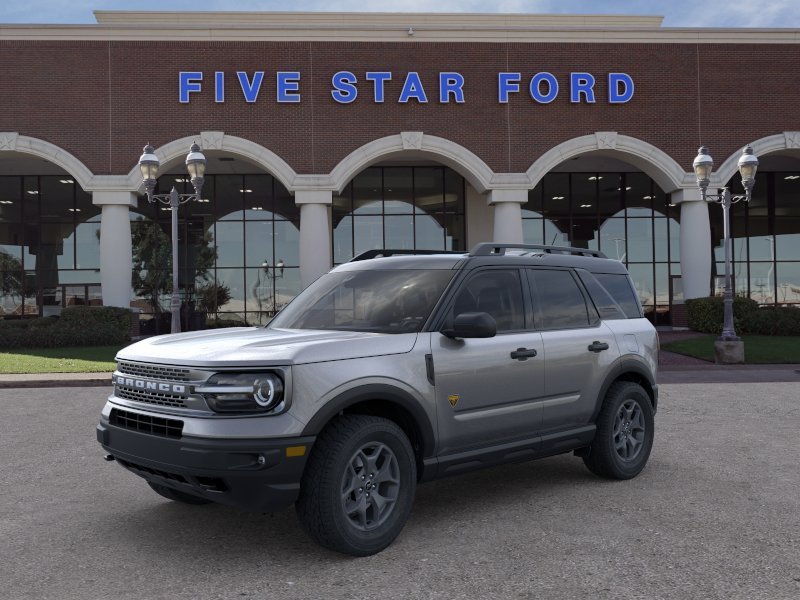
[[560, 301], [621, 290], [605, 304], [497, 292]]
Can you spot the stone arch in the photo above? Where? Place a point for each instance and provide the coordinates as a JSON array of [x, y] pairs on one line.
[[788, 141], [444, 151], [218, 140], [13, 142], [657, 164]]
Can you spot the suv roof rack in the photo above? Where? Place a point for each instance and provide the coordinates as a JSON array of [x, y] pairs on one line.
[[368, 254], [488, 248]]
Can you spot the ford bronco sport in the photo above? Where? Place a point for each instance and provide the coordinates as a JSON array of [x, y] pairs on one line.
[[393, 369]]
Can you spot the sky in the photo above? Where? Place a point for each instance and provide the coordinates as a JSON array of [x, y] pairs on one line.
[[677, 13]]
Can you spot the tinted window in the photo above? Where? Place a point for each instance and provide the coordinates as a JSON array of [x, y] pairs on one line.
[[390, 301], [496, 292], [560, 301], [605, 304], [621, 291]]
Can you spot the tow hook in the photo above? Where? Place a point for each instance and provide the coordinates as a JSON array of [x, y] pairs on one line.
[[108, 457]]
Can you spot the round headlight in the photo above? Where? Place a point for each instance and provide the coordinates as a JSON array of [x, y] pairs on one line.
[[268, 392], [243, 392]]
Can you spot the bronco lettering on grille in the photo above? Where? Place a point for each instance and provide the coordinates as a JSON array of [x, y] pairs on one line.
[[144, 384]]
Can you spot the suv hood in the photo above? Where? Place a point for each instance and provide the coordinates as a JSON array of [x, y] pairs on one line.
[[256, 346]]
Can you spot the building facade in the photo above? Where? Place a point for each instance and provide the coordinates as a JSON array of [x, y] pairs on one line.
[[330, 134]]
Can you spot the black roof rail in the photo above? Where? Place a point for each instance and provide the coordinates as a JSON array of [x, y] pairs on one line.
[[368, 254], [487, 248]]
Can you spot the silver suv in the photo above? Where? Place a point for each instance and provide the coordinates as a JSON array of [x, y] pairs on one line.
[[393, 369]]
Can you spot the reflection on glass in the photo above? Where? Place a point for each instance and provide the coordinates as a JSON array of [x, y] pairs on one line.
[[343, 241], [640, 240], [229, 236], [287, 243], [642, 276], [788, 277], [87, 245], [428, 233], [259, 242], [762, 282], [533, 231]]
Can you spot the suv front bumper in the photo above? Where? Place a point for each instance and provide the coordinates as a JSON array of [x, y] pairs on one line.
[[261, 475]]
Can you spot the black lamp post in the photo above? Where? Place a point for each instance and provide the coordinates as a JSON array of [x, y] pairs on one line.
[[703, 165], [196, 165]]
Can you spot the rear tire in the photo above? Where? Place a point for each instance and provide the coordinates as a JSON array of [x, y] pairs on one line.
[[177, 496], [358, 486], [625, 431]]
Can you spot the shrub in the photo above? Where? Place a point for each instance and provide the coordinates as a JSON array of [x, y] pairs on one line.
[[77, 326], [706, 314], [783, 320], [220, 323]]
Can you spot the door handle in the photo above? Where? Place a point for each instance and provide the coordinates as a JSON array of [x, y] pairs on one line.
[[523, 353], [598, 346]]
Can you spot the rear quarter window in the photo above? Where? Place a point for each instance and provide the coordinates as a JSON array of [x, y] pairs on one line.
[[618, 286]]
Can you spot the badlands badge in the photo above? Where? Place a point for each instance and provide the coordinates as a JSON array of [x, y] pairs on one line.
[[453, 399]]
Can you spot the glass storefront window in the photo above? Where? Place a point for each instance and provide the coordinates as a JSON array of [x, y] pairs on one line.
[[401, 208]]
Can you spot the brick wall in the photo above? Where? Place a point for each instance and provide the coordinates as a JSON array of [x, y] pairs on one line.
[[102, 101]]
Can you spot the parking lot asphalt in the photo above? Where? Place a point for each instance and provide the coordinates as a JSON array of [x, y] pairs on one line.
[[716, 514]]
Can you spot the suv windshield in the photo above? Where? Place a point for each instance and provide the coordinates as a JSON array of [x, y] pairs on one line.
[[390, 301]]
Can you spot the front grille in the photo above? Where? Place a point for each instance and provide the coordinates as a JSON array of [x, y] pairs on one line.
[[171, 428], [151, 397], [153, 371]]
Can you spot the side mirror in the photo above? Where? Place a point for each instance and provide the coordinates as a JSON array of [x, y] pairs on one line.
[[472, 325]]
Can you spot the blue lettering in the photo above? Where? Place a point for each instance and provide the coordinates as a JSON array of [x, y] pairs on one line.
[[219, 86], [615, 80], [378, 77], [288, 86], [412, 88], [250, 89], [344, 91], [188, 82], [506, 84], [451, 83], [536, 88], [581, 83]]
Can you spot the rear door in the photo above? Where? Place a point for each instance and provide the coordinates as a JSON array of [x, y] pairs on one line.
[[578, 348]]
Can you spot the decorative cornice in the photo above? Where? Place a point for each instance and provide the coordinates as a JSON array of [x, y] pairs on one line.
[[381, 27]]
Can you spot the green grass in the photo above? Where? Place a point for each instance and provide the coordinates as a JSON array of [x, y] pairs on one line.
[[91, 359], [758, 349]]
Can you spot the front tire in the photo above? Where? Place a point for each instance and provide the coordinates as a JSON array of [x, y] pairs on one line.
[[358, 486], [625, 431]]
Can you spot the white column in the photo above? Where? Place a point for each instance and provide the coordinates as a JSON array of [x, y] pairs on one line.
[[315, 234], [695, 243], [116, 255], [508, 214]]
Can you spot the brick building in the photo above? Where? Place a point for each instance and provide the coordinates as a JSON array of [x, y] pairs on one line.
[[330, 134]]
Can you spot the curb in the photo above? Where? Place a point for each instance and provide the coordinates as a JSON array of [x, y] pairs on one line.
[[55, 383]]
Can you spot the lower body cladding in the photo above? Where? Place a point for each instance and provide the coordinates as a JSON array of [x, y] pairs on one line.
[[261, 475]]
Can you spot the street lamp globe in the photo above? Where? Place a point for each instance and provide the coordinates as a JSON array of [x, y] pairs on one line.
[[748, 164], [148, 164], [703, 164], [196, 165]]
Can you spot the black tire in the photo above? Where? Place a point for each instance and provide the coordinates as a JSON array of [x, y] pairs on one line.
[[338, 504], [625, 431], [177, 496]]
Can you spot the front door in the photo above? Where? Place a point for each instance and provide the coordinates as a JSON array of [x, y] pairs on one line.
[[485, 395]]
